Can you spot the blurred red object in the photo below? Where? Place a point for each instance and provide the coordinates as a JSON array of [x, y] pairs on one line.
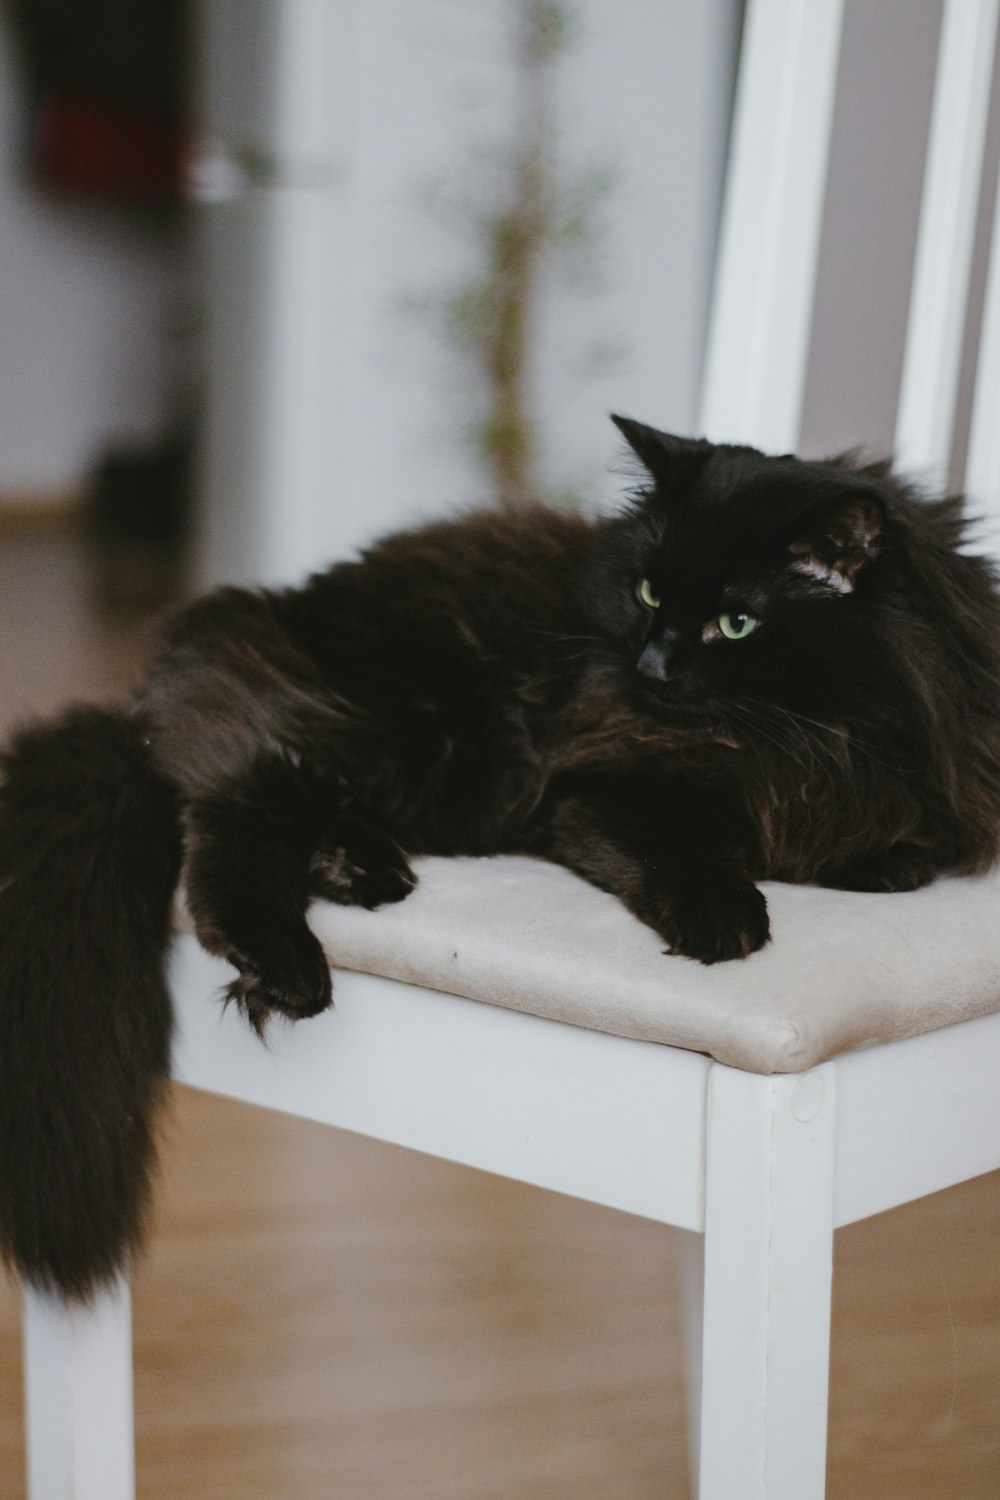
[[96, 147], [88, 145], [105, 95]]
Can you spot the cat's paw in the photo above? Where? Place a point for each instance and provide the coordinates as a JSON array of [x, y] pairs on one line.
[[715, 922], [363, 868], [904, 867], [294, 983]]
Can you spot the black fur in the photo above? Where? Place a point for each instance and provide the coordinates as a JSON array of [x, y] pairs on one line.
[[535, 682], [89, 858]]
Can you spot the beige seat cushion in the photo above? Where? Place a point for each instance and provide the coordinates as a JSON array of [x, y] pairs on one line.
[[843, 970]]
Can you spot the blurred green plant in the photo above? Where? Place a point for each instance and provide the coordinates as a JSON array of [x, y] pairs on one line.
[[492, 318]]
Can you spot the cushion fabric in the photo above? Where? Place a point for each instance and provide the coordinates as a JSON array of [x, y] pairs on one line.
[[844, 970]]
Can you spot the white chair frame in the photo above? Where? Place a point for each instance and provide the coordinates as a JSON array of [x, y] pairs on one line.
[[760, 1169]]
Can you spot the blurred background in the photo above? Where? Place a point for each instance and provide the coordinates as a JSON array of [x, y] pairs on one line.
[[277, 276]]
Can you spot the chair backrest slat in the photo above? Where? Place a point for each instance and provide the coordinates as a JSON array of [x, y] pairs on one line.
[[982, 467], [762, 307], [948, 212]]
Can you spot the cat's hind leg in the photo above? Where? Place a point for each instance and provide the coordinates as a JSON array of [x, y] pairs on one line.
[[232, 705], [248, 883], [239, 714], [255, 860]]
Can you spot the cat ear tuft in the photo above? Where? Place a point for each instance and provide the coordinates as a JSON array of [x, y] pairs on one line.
[[668, 458], [840, 542]]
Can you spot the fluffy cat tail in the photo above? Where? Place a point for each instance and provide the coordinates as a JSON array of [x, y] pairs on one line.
[[89, 859]]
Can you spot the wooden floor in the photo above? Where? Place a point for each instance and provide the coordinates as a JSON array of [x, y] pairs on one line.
[[326, 1318]]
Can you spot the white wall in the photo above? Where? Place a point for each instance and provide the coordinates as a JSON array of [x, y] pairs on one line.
[[335, 413], [397, 102], [83, 293], [650, 93]]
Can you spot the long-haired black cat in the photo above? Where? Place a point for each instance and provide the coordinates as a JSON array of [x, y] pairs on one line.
[[763, 668]]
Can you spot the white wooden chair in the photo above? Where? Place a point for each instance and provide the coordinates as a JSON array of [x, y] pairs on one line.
[[850, 1067]]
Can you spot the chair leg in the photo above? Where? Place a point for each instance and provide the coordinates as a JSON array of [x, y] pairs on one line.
[[78, 1389], [768, 1260], [690, 1260]]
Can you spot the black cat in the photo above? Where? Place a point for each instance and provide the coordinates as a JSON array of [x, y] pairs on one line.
[[763, 668]]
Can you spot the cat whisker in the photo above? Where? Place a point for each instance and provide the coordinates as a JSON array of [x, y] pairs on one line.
[[834, 758], [817, 742], [850, 740], [784, 729], [748, 717]]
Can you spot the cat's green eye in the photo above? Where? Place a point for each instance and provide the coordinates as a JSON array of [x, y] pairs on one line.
[[737, 627], [648, 594]]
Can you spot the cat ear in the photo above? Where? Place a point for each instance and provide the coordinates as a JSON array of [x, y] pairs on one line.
[[668, 458], [839, 542]]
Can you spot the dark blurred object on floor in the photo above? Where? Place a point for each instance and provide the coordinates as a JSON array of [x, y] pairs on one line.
[[107, 95], [137, 507]]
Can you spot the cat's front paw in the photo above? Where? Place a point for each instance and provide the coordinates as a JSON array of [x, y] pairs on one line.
[[714, 922], [362, 868]]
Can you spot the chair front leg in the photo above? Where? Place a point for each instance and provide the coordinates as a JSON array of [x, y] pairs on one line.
[[78, 1389], [768, 1263]]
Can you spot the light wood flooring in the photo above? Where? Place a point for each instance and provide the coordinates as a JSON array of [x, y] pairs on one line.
[[326, 1318]]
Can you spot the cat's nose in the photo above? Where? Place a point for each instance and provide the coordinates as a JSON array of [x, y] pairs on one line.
[[656, 658]]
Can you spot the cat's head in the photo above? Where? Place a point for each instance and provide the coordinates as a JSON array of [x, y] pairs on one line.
[[736, 579]]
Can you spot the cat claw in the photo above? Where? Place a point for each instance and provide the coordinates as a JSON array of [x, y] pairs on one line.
[[259, 999]]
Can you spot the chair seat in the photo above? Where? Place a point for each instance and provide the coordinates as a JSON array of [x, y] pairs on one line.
[[844, 970]]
